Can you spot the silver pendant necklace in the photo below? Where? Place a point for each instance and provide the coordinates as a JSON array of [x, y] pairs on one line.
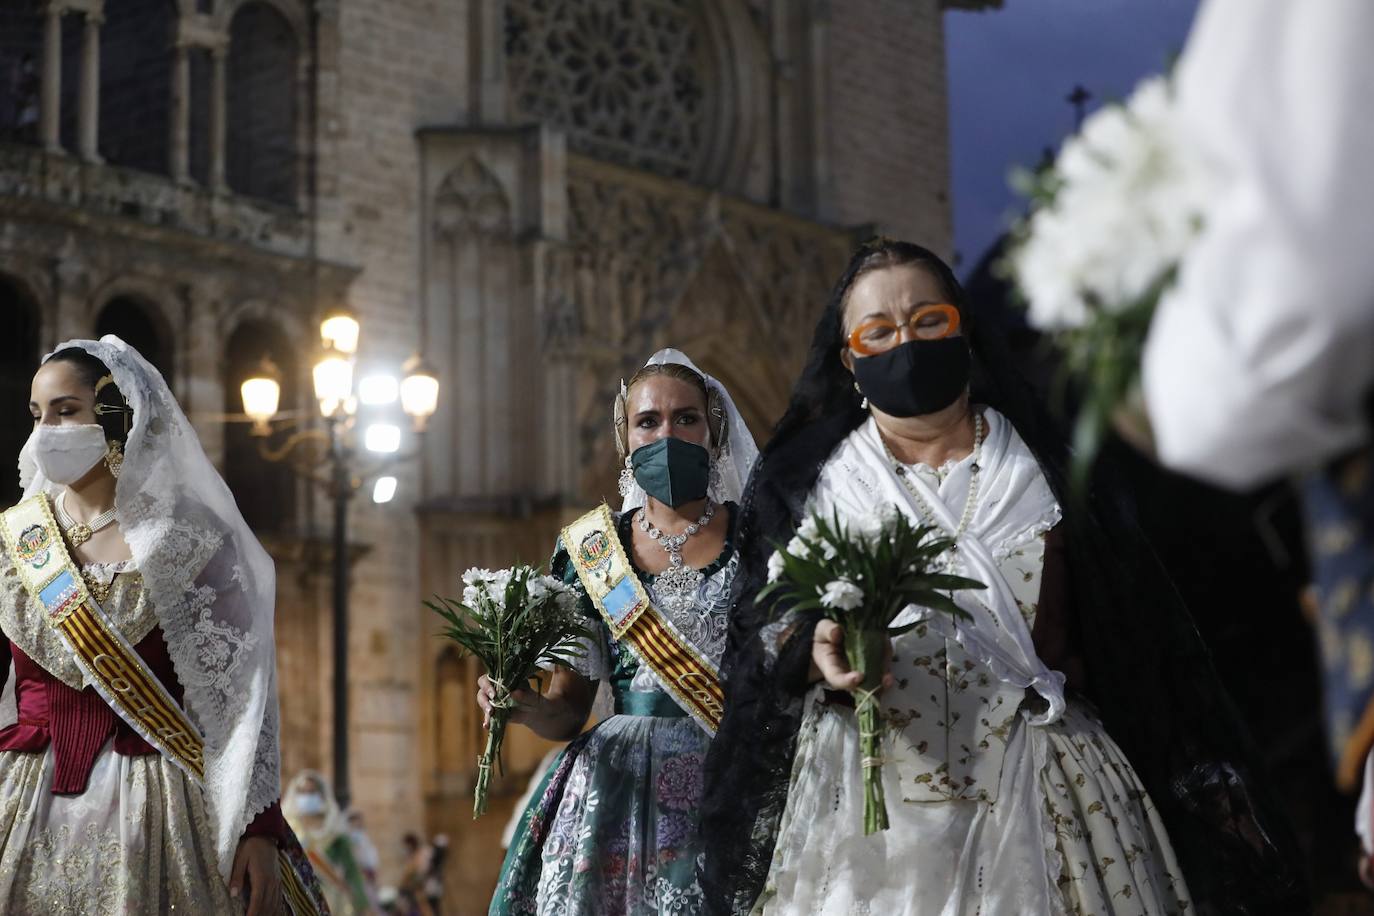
[[677, 585]]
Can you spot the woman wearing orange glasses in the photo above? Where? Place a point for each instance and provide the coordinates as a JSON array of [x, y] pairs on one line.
[[1006, 792]]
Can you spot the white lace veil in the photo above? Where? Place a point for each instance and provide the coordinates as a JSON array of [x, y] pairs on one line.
[[211, 583], [732, 463]]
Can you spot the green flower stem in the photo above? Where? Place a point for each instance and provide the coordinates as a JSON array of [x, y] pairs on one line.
[[496, 733], [867, 651]]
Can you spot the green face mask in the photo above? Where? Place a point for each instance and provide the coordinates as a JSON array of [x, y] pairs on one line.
[[672, 471]]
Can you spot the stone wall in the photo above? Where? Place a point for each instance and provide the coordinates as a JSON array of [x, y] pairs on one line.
[[888, 119]]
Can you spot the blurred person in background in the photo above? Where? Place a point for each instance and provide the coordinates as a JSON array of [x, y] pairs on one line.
[[365, 852], [414, 873], [312, 812], [1260, 360]]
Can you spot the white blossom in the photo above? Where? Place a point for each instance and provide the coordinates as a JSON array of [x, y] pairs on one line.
[[842, 594], [797, 548], [775, 566], [477, 574], [1131, 191], [485, 585]]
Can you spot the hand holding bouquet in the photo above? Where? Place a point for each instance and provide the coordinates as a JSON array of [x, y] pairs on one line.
[[863, 579], [514, 621]]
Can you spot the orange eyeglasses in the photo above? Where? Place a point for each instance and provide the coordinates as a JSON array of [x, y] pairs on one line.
[[929, 322]]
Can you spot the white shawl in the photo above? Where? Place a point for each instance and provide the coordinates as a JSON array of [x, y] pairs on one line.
[[1014, 506]]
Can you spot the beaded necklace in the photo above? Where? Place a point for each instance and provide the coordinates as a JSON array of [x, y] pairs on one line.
[[969, 504]]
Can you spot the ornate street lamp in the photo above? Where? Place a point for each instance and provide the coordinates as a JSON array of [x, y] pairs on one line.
[[418, 393]]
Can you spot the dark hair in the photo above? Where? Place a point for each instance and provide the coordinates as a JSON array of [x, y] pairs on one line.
[[112, 411], [1149, 671], [816, 396]]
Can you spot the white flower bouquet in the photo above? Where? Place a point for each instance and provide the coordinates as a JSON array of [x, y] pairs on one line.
[[1108, 226], [514, 621], [863, 579]]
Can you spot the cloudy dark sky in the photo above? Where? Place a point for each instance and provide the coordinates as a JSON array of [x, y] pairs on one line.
[[1009, 73]]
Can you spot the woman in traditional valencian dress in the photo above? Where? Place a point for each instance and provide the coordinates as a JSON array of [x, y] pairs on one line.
[[612, 829], [141, 774], [322, 828], [1064, 749]]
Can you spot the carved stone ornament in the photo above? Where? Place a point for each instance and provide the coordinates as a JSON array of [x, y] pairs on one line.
[[628, 81], [471, 201]]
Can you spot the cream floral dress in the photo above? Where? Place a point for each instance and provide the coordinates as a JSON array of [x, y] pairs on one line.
[[990, 814], [136, 841]]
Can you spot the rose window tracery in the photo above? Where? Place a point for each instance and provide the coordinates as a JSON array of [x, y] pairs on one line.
[[626, 78]]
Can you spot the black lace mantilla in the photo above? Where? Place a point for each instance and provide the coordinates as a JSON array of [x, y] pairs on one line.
[[1149, 672]]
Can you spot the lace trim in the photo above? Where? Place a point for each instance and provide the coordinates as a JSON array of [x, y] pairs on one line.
[[1040, 528], [707, 630]]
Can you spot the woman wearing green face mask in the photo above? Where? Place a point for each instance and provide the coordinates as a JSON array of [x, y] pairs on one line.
[[612, 828]]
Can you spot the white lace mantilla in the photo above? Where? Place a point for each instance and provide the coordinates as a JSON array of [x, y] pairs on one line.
[[211, 586]]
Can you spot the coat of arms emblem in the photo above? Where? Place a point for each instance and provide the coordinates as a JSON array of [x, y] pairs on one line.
[[33, 545]]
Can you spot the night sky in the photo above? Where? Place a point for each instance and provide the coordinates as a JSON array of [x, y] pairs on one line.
[[1009, 73]]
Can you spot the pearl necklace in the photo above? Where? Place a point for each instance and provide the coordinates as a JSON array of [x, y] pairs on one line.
[[79, 533], [677, 585], [969, 503]]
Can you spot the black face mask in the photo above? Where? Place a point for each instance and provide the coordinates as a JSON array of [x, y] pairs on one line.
[[914, 378], [672, 471]]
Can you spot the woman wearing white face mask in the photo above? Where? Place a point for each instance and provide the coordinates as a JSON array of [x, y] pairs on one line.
[[315, 817], [141, 775]]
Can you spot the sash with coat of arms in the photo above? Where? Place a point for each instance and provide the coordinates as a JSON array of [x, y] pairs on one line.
[[615, 590]]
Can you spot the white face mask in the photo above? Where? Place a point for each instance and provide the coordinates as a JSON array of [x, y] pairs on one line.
[[64, 454], [310, 804]]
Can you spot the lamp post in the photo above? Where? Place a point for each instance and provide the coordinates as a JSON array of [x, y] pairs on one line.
[[418, 393]]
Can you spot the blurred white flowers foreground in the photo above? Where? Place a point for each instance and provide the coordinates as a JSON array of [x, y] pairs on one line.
[[1109, 224], [1114, 215]]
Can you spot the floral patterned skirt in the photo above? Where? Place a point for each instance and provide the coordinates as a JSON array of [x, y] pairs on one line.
[[1072, 832], [135, 842], [612, 828]]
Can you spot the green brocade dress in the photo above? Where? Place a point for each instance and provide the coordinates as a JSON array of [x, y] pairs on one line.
[[611, 828]]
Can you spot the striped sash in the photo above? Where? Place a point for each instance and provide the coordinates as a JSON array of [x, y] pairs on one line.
[[112, 666], [619, 596]]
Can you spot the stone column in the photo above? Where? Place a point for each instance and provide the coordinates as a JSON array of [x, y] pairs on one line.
[[90, 89], [179, 141], [50, 124], [782, 34], [818, 46], [219, 117]]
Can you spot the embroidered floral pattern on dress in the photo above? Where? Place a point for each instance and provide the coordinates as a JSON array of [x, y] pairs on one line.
[[612, 829], [137, 842]]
